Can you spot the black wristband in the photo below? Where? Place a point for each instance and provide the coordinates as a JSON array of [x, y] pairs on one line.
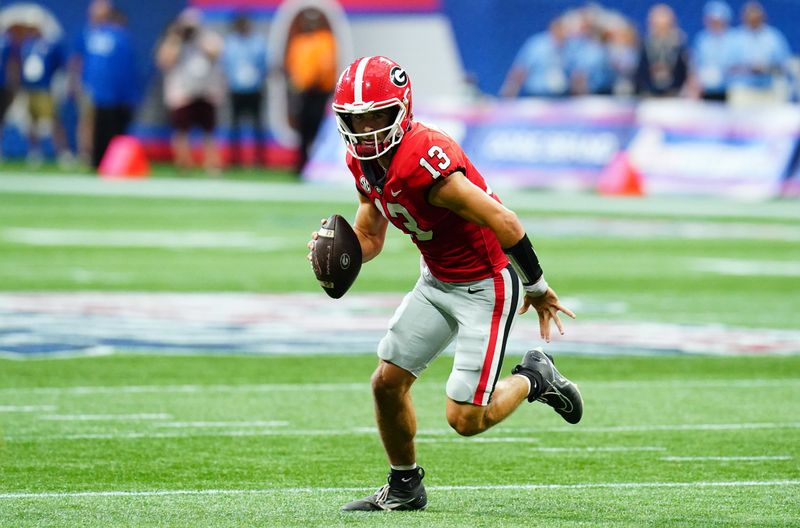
[[525, 262]]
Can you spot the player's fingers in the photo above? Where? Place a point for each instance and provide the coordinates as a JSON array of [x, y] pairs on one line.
[[525, 306], [323, 221], [558, 323], [566, 310], [544, 326]]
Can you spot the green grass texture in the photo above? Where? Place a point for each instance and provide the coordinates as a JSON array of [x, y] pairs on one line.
[[140, 440], [136, 439], [669, 261]]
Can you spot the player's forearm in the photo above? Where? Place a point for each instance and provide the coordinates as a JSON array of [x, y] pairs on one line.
[[507, 227], [371, 244]]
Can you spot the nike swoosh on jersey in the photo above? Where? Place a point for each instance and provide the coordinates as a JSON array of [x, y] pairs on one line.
[[395, 193]]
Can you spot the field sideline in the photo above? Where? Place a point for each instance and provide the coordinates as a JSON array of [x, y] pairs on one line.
[[156, 431]]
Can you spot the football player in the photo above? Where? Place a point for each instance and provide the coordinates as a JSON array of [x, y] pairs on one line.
[[478, 269]]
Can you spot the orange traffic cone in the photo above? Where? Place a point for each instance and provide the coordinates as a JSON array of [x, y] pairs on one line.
[[124, 158], [620, 178]]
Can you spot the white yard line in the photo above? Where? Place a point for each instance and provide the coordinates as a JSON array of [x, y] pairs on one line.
[[747, 268], [181, 189], [195, 189], [150, 389], [26, 408], [533, 440], [479, 440], [476, 487], [664, 229], [732, 384], [723, 458], [178, 434], [200, 425], [601, 449], [121, 238], [679, 427], [105, 417], [424, 435]]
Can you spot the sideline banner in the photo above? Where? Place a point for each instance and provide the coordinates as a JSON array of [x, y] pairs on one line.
[[526, 143], [676, 146], [690, 147]]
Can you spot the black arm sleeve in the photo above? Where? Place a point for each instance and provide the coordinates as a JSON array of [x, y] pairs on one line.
[[524, 260]]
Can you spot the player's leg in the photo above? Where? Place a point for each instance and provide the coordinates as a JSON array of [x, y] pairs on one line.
[[34, 155], [257, 113], [180, 119], [417, 334], [468, 419], [237, 111], [485, 313], [85, 127], [207, 120], [394, 412], [476, 400]]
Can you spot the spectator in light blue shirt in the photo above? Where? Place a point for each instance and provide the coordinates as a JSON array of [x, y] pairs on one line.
[[589, 67], [759, 60], [712, 51], [539, 67], [244, 62]]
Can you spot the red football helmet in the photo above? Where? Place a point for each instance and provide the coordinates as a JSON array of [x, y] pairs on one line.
[[372, 83]]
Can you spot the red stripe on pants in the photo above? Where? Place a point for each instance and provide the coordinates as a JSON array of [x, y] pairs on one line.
[[488, 361]]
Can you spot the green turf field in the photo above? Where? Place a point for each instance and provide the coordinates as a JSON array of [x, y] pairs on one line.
[[137, 439], [166, 441]]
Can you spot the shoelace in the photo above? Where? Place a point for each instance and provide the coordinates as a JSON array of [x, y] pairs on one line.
[[382, 494]]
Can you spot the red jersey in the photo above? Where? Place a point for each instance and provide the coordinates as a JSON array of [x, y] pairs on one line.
[[454, 249]]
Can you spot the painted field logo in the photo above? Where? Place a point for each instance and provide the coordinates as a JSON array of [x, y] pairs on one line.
[[96, 323]]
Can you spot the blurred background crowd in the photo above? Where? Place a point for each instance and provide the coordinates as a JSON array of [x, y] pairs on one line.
[[234, 86], [593, 50]]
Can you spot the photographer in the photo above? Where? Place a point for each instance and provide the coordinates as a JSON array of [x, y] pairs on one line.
[[193, 86]]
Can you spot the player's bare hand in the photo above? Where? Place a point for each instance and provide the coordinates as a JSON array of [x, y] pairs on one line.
[[314, 236], [547, 307]]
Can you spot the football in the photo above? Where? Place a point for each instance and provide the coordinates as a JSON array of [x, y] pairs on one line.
[[336, 256]]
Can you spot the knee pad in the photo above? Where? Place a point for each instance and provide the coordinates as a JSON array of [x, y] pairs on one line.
[[461, 385]]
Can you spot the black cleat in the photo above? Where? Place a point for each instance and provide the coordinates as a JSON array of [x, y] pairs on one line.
[[400, 494], [551, 387]]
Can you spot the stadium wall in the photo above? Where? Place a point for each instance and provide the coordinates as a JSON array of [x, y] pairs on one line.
[[450, 46]]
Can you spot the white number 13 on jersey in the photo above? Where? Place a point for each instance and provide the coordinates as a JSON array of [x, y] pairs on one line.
[[444, 161], [395, 210]]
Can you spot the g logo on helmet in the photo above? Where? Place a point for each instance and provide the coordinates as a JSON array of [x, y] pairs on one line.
[[398, 77]]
